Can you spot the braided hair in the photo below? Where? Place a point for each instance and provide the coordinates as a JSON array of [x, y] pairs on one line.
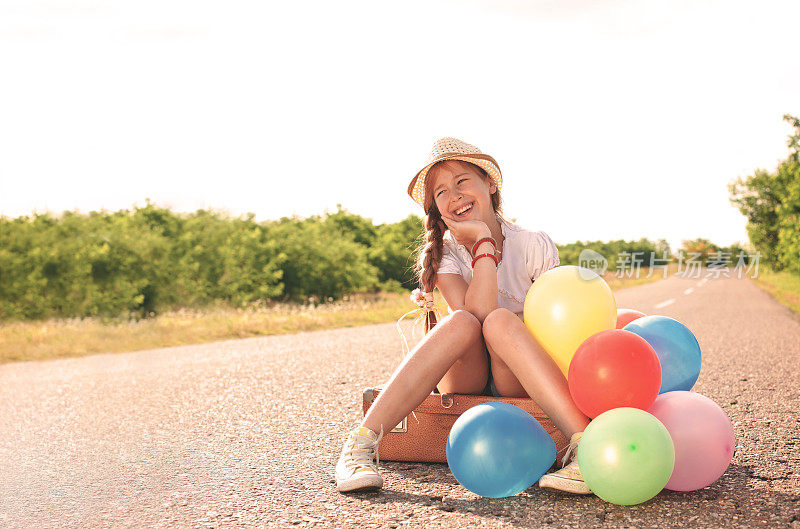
[[431, 248]]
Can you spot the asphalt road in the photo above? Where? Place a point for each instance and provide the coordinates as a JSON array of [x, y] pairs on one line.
[[247, 432]]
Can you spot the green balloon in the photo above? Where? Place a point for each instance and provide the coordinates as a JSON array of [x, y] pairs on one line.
[[626, 456]]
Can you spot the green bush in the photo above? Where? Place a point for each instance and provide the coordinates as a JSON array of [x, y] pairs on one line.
[[132, 263], [321, 260], [392, 252]]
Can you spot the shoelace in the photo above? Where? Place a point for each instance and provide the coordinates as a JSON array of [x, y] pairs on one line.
[[359, 455], [570, 449]]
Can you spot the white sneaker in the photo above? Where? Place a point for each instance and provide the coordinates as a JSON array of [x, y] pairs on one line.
[[355, 469], [569, 478]]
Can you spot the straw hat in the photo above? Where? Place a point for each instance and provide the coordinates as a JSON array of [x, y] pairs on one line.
[[453, 149]]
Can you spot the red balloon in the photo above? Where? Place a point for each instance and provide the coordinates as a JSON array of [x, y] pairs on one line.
[[625, 316], [614, 369]]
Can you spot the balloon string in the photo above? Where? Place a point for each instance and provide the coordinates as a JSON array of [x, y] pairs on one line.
[[406, 350], [420, 314]]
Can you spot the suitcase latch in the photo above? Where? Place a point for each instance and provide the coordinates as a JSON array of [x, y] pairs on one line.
[[402, 427], [447, 400]]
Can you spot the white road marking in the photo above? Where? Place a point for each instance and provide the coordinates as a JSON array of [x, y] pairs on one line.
[[703, 282], [665, 303], [688, 291]]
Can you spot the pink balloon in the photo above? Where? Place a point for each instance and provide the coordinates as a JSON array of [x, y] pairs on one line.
[[625, 316], [702, 435]]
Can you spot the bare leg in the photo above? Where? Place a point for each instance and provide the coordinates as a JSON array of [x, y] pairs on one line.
[[423, 368], [517, 358]]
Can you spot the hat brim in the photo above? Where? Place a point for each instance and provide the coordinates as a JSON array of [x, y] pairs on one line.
[[416, 189]]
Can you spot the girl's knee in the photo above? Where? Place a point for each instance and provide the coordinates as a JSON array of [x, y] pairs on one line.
[[498, 323], [465, 322]]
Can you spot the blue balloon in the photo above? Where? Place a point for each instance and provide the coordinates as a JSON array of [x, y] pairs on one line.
[[676, 347], [497, 450]]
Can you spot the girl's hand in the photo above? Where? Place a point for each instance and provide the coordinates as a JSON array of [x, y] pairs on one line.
[[466, 232]]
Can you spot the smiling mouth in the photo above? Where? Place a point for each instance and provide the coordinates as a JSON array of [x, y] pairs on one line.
[[464, 211]]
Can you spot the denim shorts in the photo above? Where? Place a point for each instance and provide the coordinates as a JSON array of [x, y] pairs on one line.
[[490, 390]]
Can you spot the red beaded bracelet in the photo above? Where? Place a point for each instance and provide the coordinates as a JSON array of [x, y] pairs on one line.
[[496, 262], [490, 239]]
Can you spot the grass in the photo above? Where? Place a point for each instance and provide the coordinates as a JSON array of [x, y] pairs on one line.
[[783, 286], [60, 338], [63, 338]]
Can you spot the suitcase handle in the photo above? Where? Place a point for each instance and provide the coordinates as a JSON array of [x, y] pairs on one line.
[[447, 399]]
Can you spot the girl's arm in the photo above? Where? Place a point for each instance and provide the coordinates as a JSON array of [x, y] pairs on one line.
[[479, 296]]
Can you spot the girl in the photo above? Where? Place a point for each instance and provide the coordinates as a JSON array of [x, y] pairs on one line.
[[483, 266]]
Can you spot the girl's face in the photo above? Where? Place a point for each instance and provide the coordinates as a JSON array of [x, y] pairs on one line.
[[458, 184]]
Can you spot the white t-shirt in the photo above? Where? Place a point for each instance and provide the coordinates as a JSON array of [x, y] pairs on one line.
[[526, 255]]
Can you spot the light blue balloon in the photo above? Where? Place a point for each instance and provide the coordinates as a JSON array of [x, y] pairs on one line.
[[676, 347], [497, 450]]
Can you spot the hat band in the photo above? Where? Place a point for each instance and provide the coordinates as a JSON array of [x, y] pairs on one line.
[[450, 156]]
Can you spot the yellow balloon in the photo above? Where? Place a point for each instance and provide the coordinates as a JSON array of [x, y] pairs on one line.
[[564, 307]]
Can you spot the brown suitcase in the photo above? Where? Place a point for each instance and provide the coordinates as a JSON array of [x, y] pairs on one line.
[[424, 438]]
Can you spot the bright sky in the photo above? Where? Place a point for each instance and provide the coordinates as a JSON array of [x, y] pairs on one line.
[[610, 119]]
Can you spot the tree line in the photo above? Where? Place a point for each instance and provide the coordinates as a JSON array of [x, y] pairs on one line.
[[142, 261], [771, 202], [149, 259], [145, 260]]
